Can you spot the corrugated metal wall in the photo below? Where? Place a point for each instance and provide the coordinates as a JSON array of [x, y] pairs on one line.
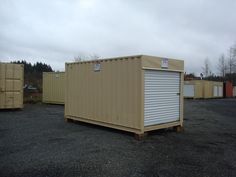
[[207, 89], [11, 85], [110, 95], [54, 87]]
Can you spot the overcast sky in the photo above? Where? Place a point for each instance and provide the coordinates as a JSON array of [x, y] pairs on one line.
[[55, 31]]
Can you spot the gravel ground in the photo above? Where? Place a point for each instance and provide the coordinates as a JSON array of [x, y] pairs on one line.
[[36, 142]]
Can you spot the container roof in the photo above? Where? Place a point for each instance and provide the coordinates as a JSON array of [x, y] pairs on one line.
[[107, 59], [118, 58]]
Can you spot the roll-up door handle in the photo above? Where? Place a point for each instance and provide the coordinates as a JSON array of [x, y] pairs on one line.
[[177, 93]]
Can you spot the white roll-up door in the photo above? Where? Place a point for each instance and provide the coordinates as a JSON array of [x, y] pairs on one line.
[[161, 97], [234, 91], [215, 91], [189, 90], [220, 91]]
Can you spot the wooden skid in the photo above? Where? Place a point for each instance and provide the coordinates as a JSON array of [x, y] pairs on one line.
[[140, 137], [179, 128], [119, 127], [138, 134], [162, 126], [53, 102]]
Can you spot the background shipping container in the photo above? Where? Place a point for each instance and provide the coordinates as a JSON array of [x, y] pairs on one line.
[[54, 87], [11, 85], [203, 89]]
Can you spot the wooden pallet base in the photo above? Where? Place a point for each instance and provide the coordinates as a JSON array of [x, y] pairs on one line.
[[141, 136], [137, 135], [179, 128], [69, 120]]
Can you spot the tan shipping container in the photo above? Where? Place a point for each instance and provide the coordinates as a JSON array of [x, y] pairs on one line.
[[213, 89], [54, 87], [135, 93], [207, 89], [234, 91], [11, 85]]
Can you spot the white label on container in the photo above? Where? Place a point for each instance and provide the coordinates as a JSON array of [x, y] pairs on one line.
[[97, 67], [164, 63]]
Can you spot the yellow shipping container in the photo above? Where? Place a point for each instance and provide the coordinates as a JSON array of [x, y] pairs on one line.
[[135, 93], [11, 85], [234, 91], [54, 87], [207, 89]]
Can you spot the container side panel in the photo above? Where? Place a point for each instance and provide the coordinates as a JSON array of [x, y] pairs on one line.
[[198, 89], [9, 71], [2, 85], [2, 71], [11, 85], [9, 99], [2, 99], [17, 100], [18, 72], [208, 89], [110, 94], [54, 87]]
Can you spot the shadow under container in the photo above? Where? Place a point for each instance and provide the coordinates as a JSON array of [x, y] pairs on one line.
[[134, 93], [54, 87], [11, 85]]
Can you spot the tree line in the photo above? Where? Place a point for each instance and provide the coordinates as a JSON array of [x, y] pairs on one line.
[[38, 67], [33, 73]]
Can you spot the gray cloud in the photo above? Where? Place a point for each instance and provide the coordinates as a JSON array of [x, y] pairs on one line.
[[57, 30]]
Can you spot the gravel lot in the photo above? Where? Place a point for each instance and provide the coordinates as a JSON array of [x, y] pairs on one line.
[[37, 142]]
